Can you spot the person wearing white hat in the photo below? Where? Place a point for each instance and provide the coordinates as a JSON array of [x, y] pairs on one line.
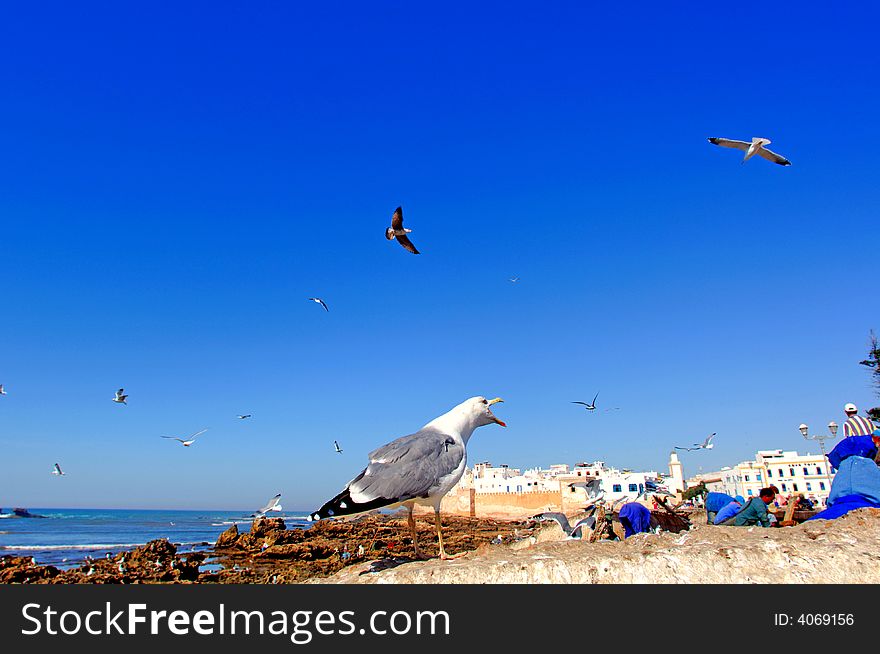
[[855, 424]]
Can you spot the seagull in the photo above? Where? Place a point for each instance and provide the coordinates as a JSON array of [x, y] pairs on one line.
[[705, 445], [57, 471], [2, 392], [592, 488], [245, 417], [321, 302], [756, 147], [121, 397], [513, 280], [272, 505], [189, 441], [416, 469], [591, 406], [338, 449], [398, 231], [569, 529]]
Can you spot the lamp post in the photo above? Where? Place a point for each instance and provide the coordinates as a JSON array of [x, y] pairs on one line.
[[832, 428]]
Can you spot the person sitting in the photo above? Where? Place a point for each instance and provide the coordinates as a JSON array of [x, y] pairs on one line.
[[730, 510], [857, 481], [635, 518], [755, 511], [714, 503]]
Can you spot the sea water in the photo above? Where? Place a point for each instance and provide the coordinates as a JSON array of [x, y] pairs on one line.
[[66, 536]]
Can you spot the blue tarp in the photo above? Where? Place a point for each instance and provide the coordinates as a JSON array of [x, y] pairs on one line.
[[635, 518], [856, 485], [862, 446]]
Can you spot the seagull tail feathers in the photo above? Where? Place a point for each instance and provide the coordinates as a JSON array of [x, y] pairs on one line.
[[343, 505]]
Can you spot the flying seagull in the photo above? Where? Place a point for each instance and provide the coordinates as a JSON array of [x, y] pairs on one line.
[[592, 488], [705, 445], [756, 147], [121, 397], [57, 471], [569, 529], [513, 280], [189, 441], [245, 417], [416, 469], [338, 449], [2, 392], [591, 406], [320, 301], [273, 505], [398, 231]]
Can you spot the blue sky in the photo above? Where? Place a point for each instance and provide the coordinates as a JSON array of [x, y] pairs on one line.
[[175, 182]]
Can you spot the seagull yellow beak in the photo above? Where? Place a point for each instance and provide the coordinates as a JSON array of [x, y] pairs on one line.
[[497, 421]]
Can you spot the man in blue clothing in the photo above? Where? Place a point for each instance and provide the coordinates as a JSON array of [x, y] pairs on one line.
[[755, 511], [730, 510], [714, 503]]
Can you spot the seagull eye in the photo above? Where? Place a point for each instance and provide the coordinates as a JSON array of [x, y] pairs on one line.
[[485, 401]]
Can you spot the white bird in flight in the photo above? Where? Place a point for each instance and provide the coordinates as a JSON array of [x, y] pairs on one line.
[[513, 280], [57, 471], [245, 416], [756, 147], [338, 449], [2, 392], [272, 505], [399, 232], [121, 397], [321, 302], [189, 441], [705, 445], [589, 406]]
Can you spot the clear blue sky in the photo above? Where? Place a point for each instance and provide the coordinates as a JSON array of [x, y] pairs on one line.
[[175, 182]]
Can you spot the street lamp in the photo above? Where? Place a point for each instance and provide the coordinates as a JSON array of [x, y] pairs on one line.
[[832, 428]]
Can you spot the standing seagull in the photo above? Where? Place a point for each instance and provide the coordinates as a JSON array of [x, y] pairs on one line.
[[398, 231], [756, 147], [591, 406], [705, 445], [57, 471], [338, 449], [321, 302], [273, 505], [121, 397], [416, 469], [189, 441]]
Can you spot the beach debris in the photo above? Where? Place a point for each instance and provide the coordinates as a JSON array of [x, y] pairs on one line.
[[416, 469], [705, 445], [399, 232], [589, 406], [756, 147], [186, 442], [321, 302]]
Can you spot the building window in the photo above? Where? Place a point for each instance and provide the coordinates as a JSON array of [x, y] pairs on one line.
[[821, 485], [806, 471], [616, 488], [794, 487], [633, 488], [818, 470], [791, 472], [769, 474], [750, 492], [758, 476], [781, 474], [784, 488], [573, 489], [809, 486], [747, 478]]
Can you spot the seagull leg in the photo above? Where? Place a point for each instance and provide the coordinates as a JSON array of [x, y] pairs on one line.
[[443, 555], [412, 527]]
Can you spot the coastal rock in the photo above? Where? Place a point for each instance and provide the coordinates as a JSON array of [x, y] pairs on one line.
[[262, 527], [228, 538]]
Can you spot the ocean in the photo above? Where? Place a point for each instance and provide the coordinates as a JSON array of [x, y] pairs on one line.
[[66, 536]]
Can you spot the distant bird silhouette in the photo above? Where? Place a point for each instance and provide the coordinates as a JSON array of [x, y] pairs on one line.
[[591, 406], [189, 441], [121, 397], [320, 301], [705, 445], [338, 449], [756, 147], [245, 417], [2, 392], [57, 471], [397, 231], [513, 280]]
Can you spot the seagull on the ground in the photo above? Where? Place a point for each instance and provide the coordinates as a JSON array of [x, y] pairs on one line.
[[570, 530], [399, 232], [189, 441], [245, 417], [338, 449], [705, 445], [321, 302], [57, 471], [272, 505], [2, 392], [589, 406], [416, 469], [121, 397], [756, 147]]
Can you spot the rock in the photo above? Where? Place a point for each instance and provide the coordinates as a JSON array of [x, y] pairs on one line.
[[228, 538]]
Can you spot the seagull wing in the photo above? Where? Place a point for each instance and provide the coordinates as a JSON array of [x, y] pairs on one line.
[[270, 505], [323, 304], [58, 469], [769, 155], [397, 219], [173, 438], [558, 518], [414, 466], [403, 239], [594, 399], [729, 143], [197, 434]]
